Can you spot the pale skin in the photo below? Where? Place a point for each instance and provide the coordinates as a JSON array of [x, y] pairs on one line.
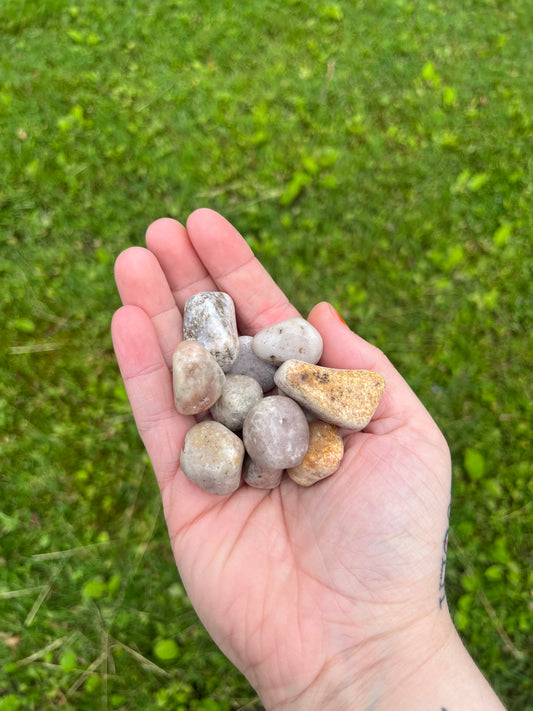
[[324, 597]]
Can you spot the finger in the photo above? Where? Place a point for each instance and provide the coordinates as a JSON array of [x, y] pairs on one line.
[[346, 350], [141, 282], [234, 268], [184, 270], [148, 383]]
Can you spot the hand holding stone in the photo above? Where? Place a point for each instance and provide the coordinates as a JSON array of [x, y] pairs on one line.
[[314, 597]]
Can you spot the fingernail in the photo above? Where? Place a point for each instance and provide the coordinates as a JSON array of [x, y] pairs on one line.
[[337, 314]]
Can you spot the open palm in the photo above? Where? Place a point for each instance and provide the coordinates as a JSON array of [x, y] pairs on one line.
[[295, 585]]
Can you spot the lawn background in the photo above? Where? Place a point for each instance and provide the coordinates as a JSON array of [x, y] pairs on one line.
[[374, 154]]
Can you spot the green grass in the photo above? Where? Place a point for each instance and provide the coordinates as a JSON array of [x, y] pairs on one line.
[[376, 155]]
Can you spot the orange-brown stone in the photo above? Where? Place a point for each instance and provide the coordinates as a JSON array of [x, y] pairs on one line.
[[323, 457], [347, 398]]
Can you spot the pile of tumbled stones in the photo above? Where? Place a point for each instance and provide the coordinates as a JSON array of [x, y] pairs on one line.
[[269, 390]]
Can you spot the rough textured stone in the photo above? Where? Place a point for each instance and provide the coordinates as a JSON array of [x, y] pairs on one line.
[[323, 456], [260, 477], [276, 433], [347, 398], [198, 379], [212, 458], [248, 363], [239, 394], [293, 338], [209, 318]]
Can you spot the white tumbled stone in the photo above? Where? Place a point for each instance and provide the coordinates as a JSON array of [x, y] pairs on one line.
[[209, 318], [293, 338]]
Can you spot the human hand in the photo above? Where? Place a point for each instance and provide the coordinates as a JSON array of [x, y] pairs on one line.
[[320, 596]]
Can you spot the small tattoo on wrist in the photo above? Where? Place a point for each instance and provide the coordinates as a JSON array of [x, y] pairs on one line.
[[442, 577]]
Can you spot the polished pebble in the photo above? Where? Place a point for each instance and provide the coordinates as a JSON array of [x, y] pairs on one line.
[[260, 477], [276, 433], [212, 458], [209, 318], [347, 398], [323, 456], [197, 378], [293, 338], [248, 363], [239, 394]]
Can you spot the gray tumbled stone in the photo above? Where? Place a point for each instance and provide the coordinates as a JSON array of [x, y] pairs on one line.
[[212, 458], [248, 363], [209, 318], [276, 433], [293, 338], [260, 477], [197, 378], [239, 394]]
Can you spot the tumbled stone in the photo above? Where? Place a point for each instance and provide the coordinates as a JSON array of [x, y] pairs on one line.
[[347, 398], [239, 394], [209, 318], [276, 433], [197, 378], [323, 457], [293, 338], [275, 391], [212, 458], [260, 477], [248, 363]]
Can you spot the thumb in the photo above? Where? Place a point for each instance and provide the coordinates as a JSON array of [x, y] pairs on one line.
[[344, 349]]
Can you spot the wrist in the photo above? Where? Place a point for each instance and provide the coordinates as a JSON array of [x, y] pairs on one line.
[[368, 668], [421, 667], [449, 680]]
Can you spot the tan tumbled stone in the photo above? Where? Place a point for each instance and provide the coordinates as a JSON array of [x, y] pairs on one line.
[[239, 394], [197, 378], [323, 457], [347, 398], [212, 458]]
